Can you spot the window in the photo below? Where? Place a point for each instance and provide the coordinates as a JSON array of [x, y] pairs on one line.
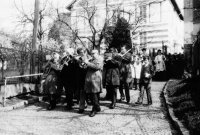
[[155, 12], [143, 13], [143, 38]]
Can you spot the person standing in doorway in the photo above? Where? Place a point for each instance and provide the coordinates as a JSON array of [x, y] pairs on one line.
[[160, 66]]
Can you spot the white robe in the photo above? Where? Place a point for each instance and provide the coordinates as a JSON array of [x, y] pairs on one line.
[[138, 68], [160, 63]]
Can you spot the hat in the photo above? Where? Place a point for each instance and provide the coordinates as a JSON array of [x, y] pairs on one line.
[[145, 57], [144, 49]]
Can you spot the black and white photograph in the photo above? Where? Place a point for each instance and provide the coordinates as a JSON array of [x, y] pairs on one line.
[[99, 67]]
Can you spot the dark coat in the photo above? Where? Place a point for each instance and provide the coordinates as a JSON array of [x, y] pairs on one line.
[[93, 80], [51, 81], [80, 73], [147, 69], [112, 76], [125, 68], [67, 74]]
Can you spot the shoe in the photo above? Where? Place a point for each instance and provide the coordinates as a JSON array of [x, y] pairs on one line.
[[138, 103], [146, 105], [50, 107], [122, 98], [127, 102], [81, 111], [92, 114], [98, 110], [112, 106]]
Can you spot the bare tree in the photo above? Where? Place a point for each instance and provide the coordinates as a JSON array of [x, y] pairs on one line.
[[26, 19], [88, 10]]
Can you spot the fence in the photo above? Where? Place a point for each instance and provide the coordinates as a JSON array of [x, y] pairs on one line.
[[18, 61]]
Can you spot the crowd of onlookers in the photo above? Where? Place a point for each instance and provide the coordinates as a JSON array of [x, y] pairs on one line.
[[175, 65]]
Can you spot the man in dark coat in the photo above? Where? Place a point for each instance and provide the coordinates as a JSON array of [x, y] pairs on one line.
[[112, 77], [80, 75], [147, 73], [125, 74], [68, 78]]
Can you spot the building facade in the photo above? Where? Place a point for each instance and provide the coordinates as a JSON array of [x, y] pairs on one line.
[[154, 23]]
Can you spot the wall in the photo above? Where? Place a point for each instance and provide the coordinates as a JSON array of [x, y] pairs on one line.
[[15, 89]]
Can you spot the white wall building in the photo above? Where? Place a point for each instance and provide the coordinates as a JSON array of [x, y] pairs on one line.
[[161, 24]]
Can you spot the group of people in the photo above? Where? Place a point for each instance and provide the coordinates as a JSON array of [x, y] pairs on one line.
[[83, 77]]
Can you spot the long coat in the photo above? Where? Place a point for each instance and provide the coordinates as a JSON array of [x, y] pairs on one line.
[[125, 68], [51, 81], [112, 76], [93, 80]]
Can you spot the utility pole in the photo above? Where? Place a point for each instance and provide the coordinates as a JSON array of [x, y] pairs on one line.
[[34, 40]]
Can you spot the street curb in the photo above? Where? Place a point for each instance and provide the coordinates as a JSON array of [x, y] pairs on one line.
[[177, 123], [20, 104]]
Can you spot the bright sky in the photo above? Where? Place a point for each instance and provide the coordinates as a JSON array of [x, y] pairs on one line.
[[8, 12]]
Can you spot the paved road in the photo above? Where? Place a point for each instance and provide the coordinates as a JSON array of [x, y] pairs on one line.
[[124, 120]]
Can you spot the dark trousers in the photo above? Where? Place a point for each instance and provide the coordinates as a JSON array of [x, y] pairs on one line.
[[69, 94], [124, 85], [52, 100], [83, 99], [95, 101], [108, 93], [113, 93], [145, 87], [137, 83], [134, 83]]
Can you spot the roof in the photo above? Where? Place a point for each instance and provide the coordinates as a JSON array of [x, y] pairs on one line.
[[177, 9]]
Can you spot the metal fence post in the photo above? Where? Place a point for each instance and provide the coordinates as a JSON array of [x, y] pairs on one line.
[[4, 98]]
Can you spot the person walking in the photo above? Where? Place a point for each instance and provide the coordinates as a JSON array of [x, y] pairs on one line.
[[125, 74], [93, 80], [80, 75], [68, 77], [147, 73], [51, 81], [112, 77]]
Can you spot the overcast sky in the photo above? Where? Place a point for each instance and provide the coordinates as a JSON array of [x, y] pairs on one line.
[[8, 12]]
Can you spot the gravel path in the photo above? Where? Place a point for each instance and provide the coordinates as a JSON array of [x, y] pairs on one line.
[[123, 120]]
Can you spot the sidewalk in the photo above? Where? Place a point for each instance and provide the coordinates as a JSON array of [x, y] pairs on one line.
[[124, 119], [18, 102]]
